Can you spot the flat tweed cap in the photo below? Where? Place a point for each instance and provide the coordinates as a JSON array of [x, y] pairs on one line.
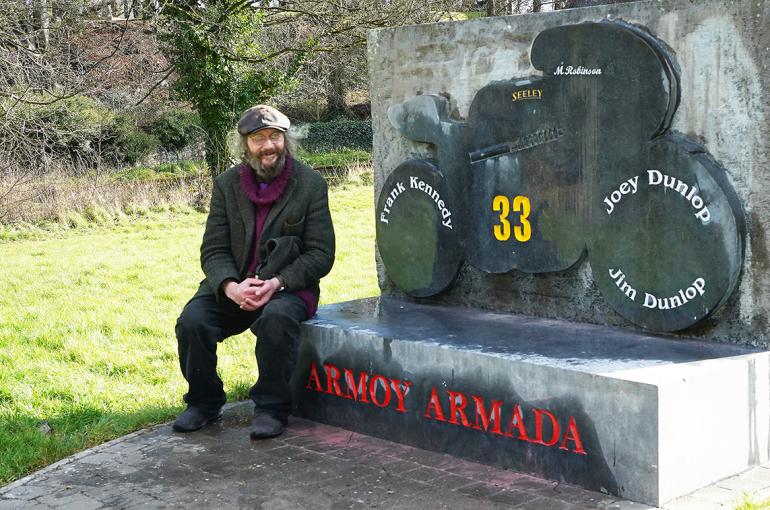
[[261, 117]]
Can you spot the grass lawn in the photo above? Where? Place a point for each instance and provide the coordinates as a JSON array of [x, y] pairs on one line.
[[87, 346], [749, 503]]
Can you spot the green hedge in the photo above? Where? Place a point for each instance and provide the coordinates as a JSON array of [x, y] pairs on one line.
[[126, 143], [71, 127], [84, 130], [81, 129], [337, 134], [176, 129]]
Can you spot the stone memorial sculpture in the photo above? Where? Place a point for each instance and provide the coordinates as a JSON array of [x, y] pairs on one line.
[[576, 164], [546, 205]]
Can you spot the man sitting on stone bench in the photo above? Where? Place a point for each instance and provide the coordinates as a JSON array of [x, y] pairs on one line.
[[268, 241]]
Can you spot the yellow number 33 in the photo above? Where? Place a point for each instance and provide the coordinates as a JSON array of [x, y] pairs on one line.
[[521, 232]]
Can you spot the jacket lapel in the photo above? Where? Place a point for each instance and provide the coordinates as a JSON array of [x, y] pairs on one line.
[[248, 215], [279, 206]]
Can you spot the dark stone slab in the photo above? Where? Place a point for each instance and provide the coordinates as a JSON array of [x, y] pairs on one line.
[[559, 344], [615, 84], [682, 244]]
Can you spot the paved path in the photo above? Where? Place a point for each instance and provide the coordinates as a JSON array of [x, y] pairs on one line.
[[311, 466]]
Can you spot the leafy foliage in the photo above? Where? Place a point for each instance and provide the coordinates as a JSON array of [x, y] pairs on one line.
[[336, 74], [749, 503], [82, 130], [176, 129], [232, 54], [213, 50], [338, 134], [126, 142], [71, 127]]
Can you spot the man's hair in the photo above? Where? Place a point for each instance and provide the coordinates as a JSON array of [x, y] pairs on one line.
[[290, 144]]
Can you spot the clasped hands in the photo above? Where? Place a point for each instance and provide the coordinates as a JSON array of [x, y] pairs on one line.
[[252, 293]]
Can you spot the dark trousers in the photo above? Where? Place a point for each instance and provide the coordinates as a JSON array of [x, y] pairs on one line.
[[205, 322]]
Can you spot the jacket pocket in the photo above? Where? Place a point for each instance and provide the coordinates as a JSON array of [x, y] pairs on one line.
[[290, 228]]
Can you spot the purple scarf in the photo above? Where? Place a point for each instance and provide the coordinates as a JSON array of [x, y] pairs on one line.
[[261, 193]]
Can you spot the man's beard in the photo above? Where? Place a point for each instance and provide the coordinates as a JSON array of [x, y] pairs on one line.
[[267, 172]]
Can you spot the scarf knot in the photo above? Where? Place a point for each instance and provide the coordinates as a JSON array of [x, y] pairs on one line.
[[259, 193]]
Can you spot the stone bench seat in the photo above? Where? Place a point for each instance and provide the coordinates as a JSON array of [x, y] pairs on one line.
[[640, 416]]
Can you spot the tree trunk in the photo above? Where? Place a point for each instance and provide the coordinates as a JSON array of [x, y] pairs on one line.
[[42, 18], [335, 97], [114, 8], [491, 8], [217, 157], [136, 6]]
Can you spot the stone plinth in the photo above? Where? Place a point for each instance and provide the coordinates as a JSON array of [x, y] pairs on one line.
[[643, 417]]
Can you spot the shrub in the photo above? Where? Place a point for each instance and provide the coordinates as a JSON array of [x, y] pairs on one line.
[[183, 168], [95, 213], [137, 173], [367, 177], [79, 129], [70, 127], [337, 134], [176, 129], [73, 219], [126, 143]]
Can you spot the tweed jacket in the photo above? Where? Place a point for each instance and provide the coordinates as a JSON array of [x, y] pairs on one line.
[[302, 211]]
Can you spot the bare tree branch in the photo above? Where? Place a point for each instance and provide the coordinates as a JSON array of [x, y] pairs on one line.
[[157, 84]]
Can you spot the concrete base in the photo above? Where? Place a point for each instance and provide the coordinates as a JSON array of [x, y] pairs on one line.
[[642, 417]]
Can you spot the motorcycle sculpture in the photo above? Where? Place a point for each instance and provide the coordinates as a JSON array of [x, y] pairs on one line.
[[576, 163]]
